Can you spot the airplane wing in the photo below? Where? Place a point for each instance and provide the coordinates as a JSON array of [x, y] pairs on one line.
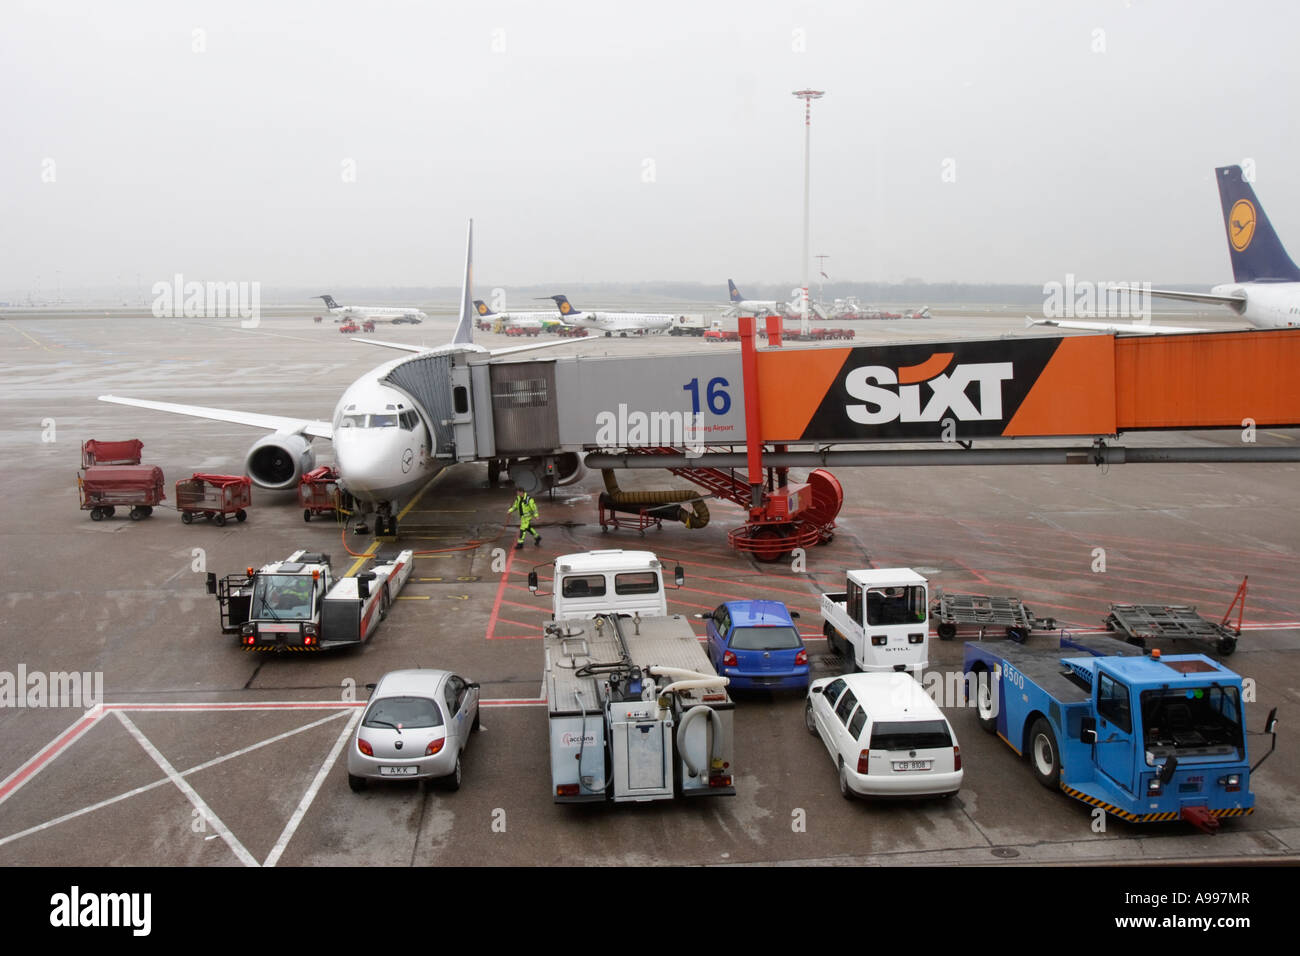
[[1234, 302], [275, 423], [1134, 327], [402, 346]]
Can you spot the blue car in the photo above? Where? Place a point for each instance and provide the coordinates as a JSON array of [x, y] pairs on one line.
[[756, 644]]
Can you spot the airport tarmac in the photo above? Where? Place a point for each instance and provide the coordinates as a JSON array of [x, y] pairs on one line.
[[205, 755]]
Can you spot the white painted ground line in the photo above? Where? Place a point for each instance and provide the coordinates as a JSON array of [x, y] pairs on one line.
[[190, 794], [158, 783], [305, 803]]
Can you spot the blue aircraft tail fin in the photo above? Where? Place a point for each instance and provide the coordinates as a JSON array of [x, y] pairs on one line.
[[1257, 253]]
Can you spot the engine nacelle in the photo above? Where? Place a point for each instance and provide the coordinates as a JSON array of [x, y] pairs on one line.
[[278, 461], [535, 475]]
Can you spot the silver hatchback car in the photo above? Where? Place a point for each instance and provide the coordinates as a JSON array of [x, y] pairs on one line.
[[415, 727]]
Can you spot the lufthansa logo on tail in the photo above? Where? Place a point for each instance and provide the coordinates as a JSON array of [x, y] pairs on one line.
[[1241, 224], [565, 308], [482, 310]]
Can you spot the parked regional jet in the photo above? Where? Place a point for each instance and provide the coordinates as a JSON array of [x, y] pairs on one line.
[[363, 312], [742, 306], [387, 445], [533, 319], [613, 323], [1266, 287]]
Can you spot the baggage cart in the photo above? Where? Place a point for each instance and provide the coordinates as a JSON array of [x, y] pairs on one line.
[[318, 492], [111, 452], [214, 497], [1001, 612], [103, 488]]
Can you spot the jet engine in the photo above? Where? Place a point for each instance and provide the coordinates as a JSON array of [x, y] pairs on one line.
[[278, 461], [536, 475]]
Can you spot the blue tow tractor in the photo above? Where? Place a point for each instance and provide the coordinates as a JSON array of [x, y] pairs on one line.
[[1145, 737]]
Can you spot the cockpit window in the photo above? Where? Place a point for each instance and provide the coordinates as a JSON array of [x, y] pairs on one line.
[[372, 421], [352, 421], [383, 421]]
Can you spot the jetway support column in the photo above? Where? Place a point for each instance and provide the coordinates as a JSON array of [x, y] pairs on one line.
[[753, 431]]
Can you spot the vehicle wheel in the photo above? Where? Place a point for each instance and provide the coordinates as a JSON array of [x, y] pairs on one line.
[[476, 726], [947, 631], [137, 514], [452, 780], [1044, 757], [356, 784], [109, 511], [1227, 645], [985, 701], [96, 514], [187, 518], [148, 510], [219, 519], [306, 514], [383, 604], [771, 552], [809, 721], [845, 792], [241, 515]]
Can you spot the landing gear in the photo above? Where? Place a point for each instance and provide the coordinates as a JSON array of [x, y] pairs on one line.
[[385, 526]]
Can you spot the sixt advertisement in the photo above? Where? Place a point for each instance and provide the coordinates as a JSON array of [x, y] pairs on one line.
[[1002, 388]]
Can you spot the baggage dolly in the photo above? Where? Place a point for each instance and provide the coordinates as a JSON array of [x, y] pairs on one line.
[[1142, 623], [214, 497], [985, 612]]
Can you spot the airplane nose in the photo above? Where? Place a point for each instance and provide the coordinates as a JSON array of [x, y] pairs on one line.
[[370, 462]]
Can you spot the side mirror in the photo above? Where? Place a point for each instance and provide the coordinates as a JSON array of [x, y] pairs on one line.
[[1167, 769], [1270, 725], [472, 685], [532, 581], [817, 689], [363, 587], [212, 586], [1088, 730], [679, 576], [371, 686], [794, 615]]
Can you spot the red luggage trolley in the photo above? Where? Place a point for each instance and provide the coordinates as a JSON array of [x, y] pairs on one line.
[[214, 497], [104, 487], [318, 492], [111, 452]]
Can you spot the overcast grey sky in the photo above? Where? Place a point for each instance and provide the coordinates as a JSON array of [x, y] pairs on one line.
[[596, 141]]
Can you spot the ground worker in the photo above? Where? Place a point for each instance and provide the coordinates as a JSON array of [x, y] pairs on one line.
[[527, 509]]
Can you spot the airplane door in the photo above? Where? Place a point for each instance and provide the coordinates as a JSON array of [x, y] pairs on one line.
[[462, 416]]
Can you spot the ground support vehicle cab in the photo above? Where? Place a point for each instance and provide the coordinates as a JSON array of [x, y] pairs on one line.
[[635, 711], [1145, 737], [297, 605], [881, 621]]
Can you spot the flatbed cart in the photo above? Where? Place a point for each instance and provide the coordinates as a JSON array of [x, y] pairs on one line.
[[986, 612], [634, 517], [1142, 624], [214, 497], [318, 492], [103, 488]]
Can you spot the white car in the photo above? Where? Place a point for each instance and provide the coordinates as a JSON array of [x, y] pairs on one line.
[[415, 727], [885, 734]]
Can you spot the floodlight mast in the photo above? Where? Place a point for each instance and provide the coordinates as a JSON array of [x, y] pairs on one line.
[[807, 96]]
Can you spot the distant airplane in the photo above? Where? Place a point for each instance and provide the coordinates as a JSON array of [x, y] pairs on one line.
[[396, 316], [613, 323], [742, 306], [1266, 290], [534, 319], [388, 443]]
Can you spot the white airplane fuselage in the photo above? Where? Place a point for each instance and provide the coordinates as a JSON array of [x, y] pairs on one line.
[[368, 312], [622, 322], [1269, 305]]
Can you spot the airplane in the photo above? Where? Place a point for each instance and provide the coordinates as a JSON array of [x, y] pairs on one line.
[[387, 446], [397, 316], [613, 322], [742, 306], [1265, 290], [535, 319]]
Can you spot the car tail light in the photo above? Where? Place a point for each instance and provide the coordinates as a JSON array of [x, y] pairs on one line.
[[862, 761], [308, 640], [729, 659], [878, 640], [364, 746], [801, 658], [1153, 787], [567, 790], [719, 780], [916, 638], [956, 757], [435, 746], [250, 640]]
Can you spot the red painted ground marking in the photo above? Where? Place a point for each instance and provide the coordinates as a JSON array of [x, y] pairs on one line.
[[507, 620], [514, 637], [501, 590], [48, 753]]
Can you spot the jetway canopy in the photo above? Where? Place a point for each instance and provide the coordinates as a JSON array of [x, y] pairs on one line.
[[1090, 385]]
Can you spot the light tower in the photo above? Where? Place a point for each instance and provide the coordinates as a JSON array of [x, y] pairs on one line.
[[807, 96]]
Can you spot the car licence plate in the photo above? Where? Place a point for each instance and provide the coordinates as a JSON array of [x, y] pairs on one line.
[[398, 771], [912, 764]]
